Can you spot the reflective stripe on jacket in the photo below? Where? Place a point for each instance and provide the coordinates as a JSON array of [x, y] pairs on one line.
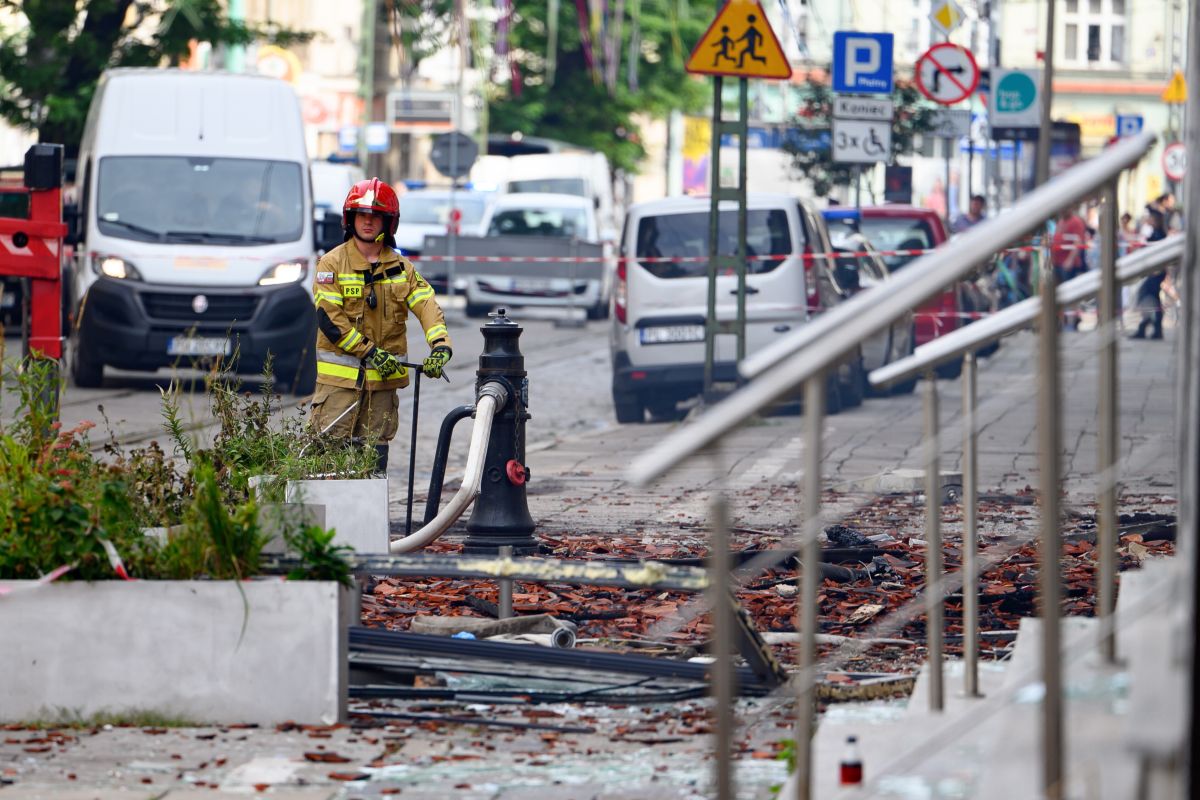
[[347, 327]]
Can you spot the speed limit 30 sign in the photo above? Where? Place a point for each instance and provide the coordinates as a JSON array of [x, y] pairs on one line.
[[947, 73], [1174, 161]]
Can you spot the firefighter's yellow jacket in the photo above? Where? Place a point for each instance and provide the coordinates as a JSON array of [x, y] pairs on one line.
[[347, 327]]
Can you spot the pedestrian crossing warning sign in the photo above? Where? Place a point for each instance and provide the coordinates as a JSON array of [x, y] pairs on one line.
[[1176, 91], [740, 43]]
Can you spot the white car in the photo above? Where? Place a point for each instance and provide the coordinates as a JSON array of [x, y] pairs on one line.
[[559, 223], [427, 212]]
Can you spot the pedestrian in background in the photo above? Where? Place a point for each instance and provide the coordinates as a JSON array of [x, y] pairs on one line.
[[364, 291], [1149, 300], [1067, 249], [975, 215]]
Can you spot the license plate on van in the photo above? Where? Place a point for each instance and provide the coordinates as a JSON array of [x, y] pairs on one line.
[[198, 346], [671, 334]]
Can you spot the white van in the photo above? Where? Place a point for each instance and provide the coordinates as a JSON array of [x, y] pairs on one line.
[[195, 226], [581, 173], [660, 297]]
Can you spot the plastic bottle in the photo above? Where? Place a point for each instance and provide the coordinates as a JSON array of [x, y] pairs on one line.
[[851, 768]]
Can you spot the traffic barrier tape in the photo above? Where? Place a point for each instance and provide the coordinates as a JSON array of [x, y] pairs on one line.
[[417, 258], [48, 578]]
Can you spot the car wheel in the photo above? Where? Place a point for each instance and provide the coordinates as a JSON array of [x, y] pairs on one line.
[[988, 349], [86, 373], [477, 310], [833, 396], [855, 388], [628, 407]]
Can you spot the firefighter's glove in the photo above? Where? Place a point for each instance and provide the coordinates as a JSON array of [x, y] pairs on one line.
[[384, 362], [433, 366]]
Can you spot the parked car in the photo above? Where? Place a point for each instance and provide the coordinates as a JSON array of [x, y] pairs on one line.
[[428, 212], [660, 297], [859, 267], [893, 228], [564, 226]]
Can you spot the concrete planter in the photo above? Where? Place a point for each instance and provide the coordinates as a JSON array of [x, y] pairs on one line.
[[357, 509], [176, 648]]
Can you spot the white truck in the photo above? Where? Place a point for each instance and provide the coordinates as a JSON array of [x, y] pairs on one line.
[[194, 228]]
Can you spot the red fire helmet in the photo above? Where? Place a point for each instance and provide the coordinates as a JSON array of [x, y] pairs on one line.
[[372, 195]]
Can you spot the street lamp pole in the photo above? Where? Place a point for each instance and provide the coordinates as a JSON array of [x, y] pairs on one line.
[[1042, 169]]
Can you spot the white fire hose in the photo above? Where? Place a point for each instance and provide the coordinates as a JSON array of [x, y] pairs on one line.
[[492, 396]]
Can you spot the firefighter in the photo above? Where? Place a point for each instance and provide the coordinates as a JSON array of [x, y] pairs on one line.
[[365, 291]]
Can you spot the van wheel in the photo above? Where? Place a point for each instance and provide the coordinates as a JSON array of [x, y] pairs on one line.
[[477, 310], [85, 373], [304, 379], [598, 311], [629, 408]]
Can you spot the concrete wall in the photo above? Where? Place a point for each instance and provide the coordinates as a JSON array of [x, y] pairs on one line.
[[176, 648]]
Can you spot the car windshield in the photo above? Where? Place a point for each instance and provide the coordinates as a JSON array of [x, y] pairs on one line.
[[573, 186], [418, 209], [180, 199], [685, 237], [897, 233], [539, 222]]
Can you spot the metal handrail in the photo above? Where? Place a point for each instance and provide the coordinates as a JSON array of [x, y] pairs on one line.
[[781, 368], [1020, 315]]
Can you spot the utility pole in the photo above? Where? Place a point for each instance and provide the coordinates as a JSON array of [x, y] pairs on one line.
[[366, 75], [235, 54], [1042, 168]]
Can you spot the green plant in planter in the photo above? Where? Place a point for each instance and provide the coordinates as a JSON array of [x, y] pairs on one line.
[[256, 438], [61, 505]]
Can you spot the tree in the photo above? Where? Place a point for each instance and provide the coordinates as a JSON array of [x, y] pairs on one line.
[[912, 116], [600, 74], [52, 57]]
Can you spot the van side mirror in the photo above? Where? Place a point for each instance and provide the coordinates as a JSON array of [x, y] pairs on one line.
[[73, 220]]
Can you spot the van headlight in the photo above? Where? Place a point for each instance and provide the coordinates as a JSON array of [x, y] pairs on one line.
[[287, 272], [115, 267]]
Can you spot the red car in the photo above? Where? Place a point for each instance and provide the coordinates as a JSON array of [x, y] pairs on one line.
[[899, 227]]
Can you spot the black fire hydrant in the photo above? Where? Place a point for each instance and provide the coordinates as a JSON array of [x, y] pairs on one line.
[[501, 514]]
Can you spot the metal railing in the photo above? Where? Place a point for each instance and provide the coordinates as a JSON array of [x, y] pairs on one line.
[[805, 358]]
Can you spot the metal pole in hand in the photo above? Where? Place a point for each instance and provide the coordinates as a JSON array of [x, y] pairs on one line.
[[412, 451]]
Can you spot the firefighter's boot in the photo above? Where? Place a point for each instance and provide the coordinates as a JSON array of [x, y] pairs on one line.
[[381, 461]]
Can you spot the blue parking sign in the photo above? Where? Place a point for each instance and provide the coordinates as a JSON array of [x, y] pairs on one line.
[[1130, 125], [862, 62]]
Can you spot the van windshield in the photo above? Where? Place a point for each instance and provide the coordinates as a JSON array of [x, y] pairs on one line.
[[235, 201], [685, 236], [897, 233], [573, 186]]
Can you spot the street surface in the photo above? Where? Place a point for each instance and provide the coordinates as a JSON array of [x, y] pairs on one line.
[[578, 457]]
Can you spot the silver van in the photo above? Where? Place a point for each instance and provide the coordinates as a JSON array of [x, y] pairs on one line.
[[660, 297]]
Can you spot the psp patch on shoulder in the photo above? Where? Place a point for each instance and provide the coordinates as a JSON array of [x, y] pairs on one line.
[[324, 277]]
